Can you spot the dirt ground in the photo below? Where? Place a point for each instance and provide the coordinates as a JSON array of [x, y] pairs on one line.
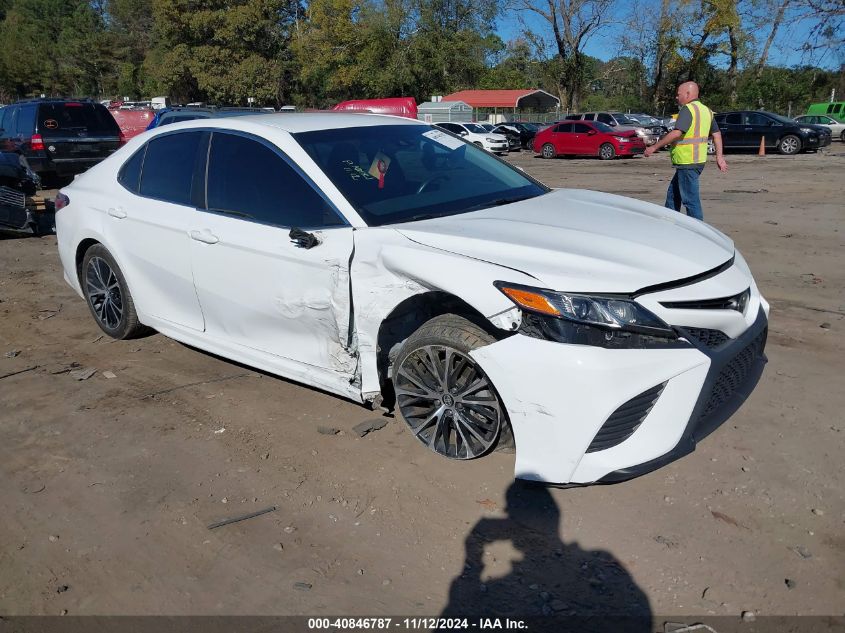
[[108, 485]]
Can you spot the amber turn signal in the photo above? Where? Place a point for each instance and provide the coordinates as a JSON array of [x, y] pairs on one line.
[[530, 300]]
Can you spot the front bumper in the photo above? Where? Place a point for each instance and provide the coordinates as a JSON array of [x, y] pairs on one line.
[[558, 397], [496, 147]]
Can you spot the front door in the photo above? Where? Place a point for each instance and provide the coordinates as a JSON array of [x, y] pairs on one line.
[[258, 287], [562, 138], [582, 141]]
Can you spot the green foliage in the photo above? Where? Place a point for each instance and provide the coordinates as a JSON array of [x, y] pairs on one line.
[[324, 51]]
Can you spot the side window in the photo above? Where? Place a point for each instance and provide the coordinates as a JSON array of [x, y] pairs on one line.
[[830, 108], [606, 118], [130, 174], [837, 108], [580, 128], [3, 113], [169, 167], [450, 127], [573, 117], [26, 121], [564, 128], [734, 118], [590, 117], [249, 180], [11, 121]]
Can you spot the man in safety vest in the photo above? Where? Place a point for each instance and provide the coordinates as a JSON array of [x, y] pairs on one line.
[[694, 126]]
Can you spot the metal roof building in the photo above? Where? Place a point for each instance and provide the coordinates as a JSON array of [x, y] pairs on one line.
[[444, 111], [536, 100]]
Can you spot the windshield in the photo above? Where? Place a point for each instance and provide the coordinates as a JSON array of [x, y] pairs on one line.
[[602, 127], [401, 173], [475, 128], [624, 119]]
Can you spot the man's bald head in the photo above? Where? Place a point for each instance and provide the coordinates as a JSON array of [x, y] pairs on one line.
[[687, 91]]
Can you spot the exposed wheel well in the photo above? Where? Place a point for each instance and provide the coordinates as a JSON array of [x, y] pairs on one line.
[[407, 317], [83, 247]]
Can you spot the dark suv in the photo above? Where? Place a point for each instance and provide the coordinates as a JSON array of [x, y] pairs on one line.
[[745, 128], [59, 136]]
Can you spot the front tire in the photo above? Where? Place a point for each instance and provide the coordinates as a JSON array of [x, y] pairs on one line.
[[107, 295], [789, 145], [548, 151], [443, 395], [607, 152]]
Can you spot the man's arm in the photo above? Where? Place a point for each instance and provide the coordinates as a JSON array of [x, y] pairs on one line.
[[671, 137], [720, 159]]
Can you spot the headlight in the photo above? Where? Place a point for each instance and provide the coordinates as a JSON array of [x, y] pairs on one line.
[[621, 139], [493, 140], [807, 130], [641, 132], [586, 319]]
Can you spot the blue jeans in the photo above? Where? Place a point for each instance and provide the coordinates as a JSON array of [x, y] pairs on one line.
[[684, 189]]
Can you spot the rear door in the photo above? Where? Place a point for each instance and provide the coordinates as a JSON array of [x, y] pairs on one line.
[[733, 129], [147, 226], [562, 138], [759, 126], [259, 288], [77, 131]]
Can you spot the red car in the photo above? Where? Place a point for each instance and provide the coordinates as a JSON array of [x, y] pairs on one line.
[[587, 138]]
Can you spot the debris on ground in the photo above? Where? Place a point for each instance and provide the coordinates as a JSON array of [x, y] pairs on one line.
[[748, 616], [62, 588], [109, 374], [221, 430], [802, 551], [279, 547], [727, 519], [302, 586], [487, 504], [242, 517], [825, 326], [12, 353], [790, 584], [665, 540], [20, 371], [83, 374], [327, 430], [367, 426]]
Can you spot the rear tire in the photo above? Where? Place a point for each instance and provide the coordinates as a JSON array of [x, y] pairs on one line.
[[789, 145], [108, 296], [548, 151], [607, 151], [443, 396], [842, 136]]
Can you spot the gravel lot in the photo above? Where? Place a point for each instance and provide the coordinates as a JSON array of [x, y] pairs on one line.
[[109, 483]]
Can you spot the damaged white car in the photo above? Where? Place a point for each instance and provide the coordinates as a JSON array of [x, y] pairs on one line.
[[393, 263]]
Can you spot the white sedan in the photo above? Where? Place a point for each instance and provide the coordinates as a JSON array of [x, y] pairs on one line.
[[837, 129], [478, 136], [388, 262]]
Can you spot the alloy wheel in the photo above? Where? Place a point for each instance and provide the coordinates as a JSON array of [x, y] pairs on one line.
[[789, 145], [548, 151], [448, 402], [104, 293]]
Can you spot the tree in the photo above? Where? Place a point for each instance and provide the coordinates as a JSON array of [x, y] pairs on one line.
[[573, 23], [222, 50]]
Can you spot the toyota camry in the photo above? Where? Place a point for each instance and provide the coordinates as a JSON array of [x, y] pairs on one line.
[[395, 264]]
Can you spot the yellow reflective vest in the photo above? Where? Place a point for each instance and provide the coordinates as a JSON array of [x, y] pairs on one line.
[[691, 148]]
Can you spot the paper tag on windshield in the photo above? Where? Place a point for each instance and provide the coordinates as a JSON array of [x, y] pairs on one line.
[[444, 139]]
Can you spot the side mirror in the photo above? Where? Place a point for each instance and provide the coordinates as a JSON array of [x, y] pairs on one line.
[[612, 124], [464, 132], [591, 133]]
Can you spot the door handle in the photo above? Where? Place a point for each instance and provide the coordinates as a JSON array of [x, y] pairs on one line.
[[205, 236], [117, 212]]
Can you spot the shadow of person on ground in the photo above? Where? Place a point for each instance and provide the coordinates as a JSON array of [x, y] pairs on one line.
[[569, 587]]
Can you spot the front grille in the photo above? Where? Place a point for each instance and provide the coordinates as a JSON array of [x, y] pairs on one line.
[[736, 302], [734, 374], [12, 198], [711, 339], [625, 420]]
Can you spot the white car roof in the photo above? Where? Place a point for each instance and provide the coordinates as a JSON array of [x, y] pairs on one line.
[[304, 122]]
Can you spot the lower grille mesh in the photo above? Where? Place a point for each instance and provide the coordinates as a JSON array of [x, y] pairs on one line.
[[625, 420], [734, 374], [709, 338]]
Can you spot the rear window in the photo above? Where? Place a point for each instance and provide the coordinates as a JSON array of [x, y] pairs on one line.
[[169, 167], [76, 119]]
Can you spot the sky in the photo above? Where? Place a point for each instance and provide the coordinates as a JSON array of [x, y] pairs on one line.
[[606, 45]]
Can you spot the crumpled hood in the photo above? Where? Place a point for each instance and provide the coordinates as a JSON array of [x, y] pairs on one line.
[[581, 241]]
